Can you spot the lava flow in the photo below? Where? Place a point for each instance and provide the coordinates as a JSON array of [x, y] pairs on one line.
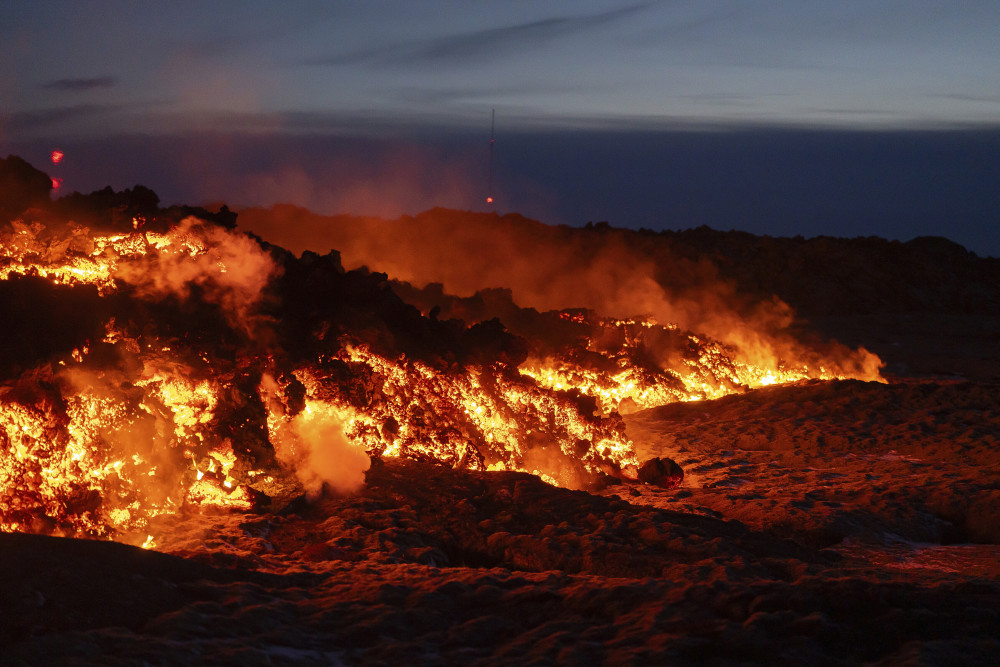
[[174, 400], [172, 364]]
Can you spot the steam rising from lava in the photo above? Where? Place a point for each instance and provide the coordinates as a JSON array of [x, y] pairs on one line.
[[102, 438], [215, 364], [314, 444], [554, 268], [210, 369], [227, 269]]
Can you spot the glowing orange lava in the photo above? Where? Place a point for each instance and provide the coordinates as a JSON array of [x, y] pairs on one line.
[[152, 417]]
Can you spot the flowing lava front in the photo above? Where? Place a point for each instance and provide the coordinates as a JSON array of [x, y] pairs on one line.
[[622, 378], [185, 390]]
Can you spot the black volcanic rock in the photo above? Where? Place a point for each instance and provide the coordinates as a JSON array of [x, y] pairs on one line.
[[133, 208], [111, 209], [42, 319], [434, 566], [55, 585], [320, 303], [21, 187], [547, 330], [661, 472]]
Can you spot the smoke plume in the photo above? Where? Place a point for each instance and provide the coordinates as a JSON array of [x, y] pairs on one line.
[[228, 269], [313, 443], [613, 272]]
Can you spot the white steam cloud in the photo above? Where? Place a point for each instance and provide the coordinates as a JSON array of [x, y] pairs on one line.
[[229, 268], [315, 446]]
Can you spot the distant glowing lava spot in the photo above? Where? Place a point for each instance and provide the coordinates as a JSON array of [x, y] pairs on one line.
[[57, 157], [56, 182], [489, 200]]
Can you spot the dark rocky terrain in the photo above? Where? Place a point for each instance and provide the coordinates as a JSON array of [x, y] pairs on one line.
[[826, 522]]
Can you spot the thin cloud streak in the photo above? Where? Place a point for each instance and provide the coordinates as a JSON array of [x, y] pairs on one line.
[[488, 43], [985, 99], [81, 85], [53, 118]]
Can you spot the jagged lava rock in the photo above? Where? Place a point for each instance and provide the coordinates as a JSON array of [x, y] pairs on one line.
[[661, 472]]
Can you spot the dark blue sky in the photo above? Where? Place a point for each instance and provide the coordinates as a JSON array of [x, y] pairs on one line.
[[839, 118]]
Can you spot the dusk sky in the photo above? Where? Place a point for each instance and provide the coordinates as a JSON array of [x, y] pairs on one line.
[[659, 114]]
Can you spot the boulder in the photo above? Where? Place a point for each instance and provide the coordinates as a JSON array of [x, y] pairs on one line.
[[662, 472]]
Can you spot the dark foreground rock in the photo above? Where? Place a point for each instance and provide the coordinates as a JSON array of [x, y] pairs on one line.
[[432, 566]]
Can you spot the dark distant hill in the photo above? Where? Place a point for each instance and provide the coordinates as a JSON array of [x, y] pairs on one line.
[[835, 276], [819, 276]]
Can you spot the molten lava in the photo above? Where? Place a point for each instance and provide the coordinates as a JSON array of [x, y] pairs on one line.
[[622, 377], [201, 387]]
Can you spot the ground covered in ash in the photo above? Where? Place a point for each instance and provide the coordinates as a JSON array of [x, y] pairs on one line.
[[832, 522]]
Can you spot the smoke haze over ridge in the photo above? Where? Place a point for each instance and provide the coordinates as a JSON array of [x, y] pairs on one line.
[[610, 271], [780, 182]]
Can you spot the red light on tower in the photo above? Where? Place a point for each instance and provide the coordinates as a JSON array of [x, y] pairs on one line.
[[56, 182], [57, 157], [489, 185]]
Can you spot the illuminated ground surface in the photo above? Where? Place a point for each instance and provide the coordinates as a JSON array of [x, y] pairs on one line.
[[883, 489], [159, 385]]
